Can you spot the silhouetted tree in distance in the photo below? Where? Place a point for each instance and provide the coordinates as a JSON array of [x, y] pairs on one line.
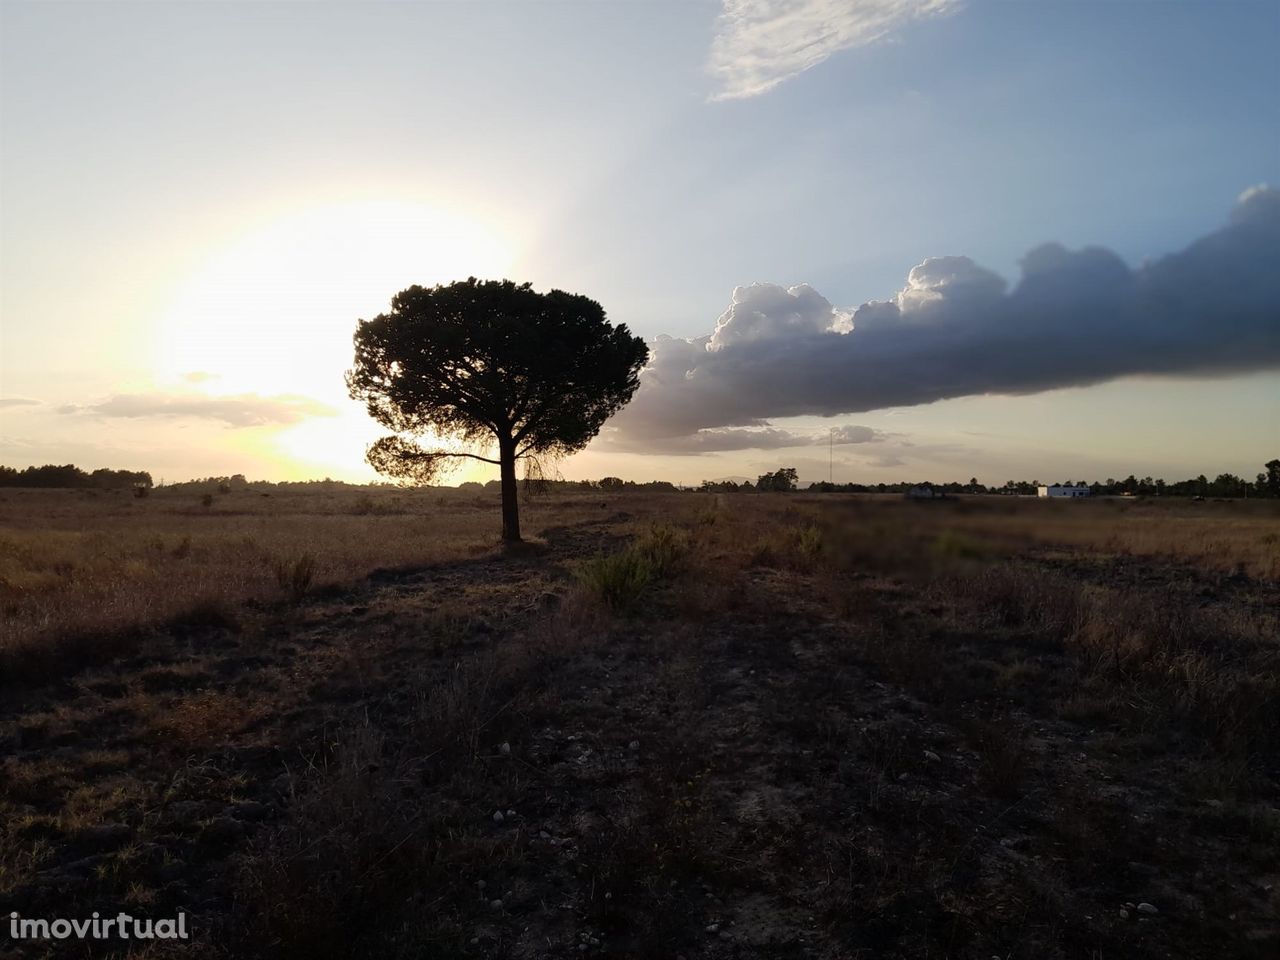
[[490, 362], [69, 475], [782, 480]]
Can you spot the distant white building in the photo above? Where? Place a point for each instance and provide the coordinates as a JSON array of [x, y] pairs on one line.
[[1058, 490], [922, 492]]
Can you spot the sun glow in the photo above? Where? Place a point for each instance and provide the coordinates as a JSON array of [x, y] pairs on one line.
[[274, 314]]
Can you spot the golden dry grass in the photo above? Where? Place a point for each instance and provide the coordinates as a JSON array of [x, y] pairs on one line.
[[85, 569], [82, 571]]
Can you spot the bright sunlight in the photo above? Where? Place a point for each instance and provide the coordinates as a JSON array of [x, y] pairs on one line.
[[273, 315]]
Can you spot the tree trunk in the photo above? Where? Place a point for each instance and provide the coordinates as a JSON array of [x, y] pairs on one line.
[[510, 499]]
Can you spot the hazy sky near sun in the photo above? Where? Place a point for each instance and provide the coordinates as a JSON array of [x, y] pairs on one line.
[[198, 200]]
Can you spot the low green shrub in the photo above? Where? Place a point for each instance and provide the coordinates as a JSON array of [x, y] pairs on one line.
[[618, 579], [621, 578]]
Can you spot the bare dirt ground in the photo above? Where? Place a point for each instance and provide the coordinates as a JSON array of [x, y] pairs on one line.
[[777, 748]]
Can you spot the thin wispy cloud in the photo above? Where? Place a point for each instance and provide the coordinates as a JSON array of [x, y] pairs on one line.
[[759, 44], [17, 402], [242, 410], [1076, 317]]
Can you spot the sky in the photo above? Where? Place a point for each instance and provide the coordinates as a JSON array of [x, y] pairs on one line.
[[876, 240]]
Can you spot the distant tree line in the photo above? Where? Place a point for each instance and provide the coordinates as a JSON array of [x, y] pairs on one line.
[[72, 477], [236, 482], [1265, 484], [69, 475], [783, 480], [607, 484]]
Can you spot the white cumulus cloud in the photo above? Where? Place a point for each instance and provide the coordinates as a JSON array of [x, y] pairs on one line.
[[1074, 318], [765, 311]]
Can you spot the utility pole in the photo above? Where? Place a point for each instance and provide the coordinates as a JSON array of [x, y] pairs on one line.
[[831, 455]]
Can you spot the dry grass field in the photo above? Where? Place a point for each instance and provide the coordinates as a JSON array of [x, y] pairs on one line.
[[350, 724]]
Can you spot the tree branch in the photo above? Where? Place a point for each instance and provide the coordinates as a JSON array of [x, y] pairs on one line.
[[472, 456], [409, 463]]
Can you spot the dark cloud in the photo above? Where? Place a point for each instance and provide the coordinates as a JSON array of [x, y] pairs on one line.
[[763, 438], [890, 460], [244, 410], [852, 434], [17, 402], [1074, 318]]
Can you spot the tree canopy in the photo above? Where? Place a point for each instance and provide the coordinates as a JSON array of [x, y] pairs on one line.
[[489, 363], [783, 479], [69, 475]]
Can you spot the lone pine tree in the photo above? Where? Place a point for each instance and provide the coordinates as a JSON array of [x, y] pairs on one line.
[[490, 364]]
